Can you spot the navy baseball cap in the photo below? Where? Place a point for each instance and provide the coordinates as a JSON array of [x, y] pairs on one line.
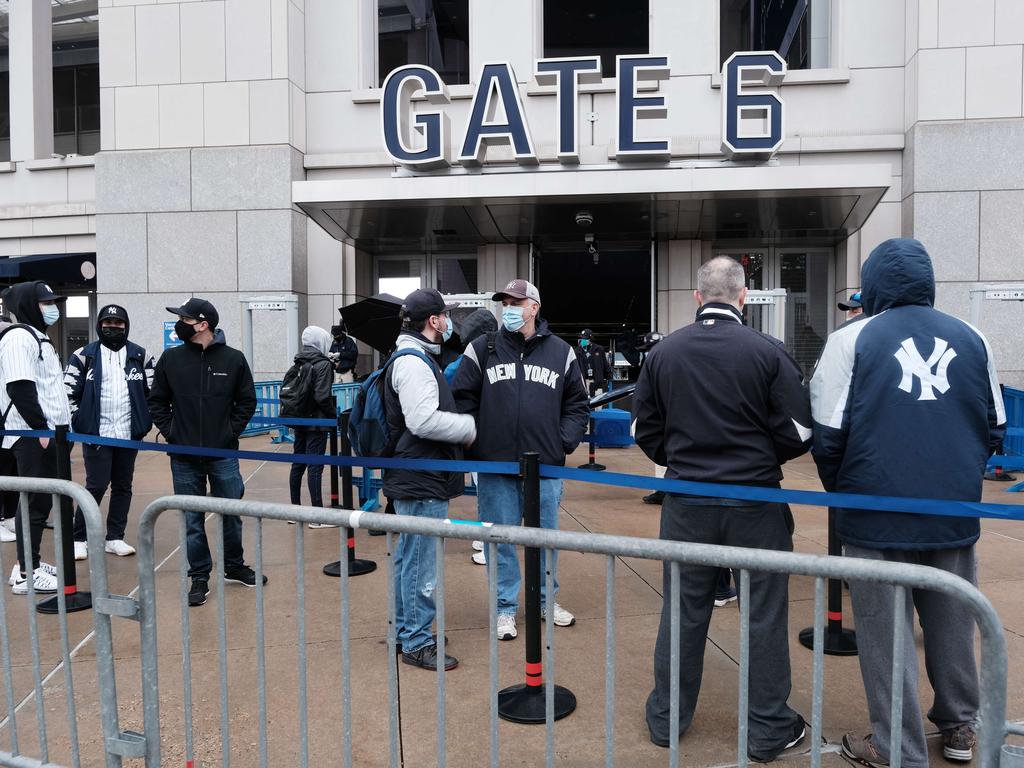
[[45, 293], [197, 309], [424, 302], [851, 303]]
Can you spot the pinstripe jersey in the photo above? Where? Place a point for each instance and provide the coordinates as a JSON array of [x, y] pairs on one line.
[[23, 358]]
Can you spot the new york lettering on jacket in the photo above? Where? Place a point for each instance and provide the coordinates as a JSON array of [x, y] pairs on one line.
[[529, 396], [82, 379]]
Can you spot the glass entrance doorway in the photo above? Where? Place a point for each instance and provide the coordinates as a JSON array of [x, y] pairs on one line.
[[807, 275]]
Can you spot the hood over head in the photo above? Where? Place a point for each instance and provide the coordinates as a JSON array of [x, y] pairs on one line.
[[897, 273], [316, 337], [23, 303], [476, 324]]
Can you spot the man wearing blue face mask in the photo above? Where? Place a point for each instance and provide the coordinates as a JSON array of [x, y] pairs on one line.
[[593, 363], [527, 394]]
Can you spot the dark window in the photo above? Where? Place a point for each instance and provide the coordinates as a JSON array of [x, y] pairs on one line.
[[5, 114], [797, 29], [431, 32], [456, 275], [76, 109], [604, 28]]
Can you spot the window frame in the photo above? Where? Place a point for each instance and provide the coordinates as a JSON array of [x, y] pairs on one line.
[[836, 56]]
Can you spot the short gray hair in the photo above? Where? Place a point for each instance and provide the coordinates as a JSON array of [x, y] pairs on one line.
[[721, 279]]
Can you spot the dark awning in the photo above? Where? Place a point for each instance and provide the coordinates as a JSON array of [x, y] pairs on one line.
[[65, 268]]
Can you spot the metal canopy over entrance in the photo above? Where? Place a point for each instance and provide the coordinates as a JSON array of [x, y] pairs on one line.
[[714, 201]]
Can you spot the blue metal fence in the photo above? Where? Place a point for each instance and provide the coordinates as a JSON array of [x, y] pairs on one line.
[[1013, 444], [268, 405]]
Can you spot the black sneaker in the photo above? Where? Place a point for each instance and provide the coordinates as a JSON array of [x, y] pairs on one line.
[[197, 595], [958, 743], [242, 574], [654, 498], [426, 657], [398, 646], [796, 736]]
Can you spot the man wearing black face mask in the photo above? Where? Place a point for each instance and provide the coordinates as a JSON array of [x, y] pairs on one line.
[[344, 353], [108, 382]]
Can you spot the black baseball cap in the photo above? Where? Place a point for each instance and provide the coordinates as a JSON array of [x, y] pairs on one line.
[[424, 302], [851, 303], [586, 333], [197, 309], [45, 293]]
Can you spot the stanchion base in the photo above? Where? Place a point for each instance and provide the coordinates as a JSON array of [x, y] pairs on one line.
[[1000, 477], [594, 466], [77, 601], [525, 704], [841, 643], [355, 568]]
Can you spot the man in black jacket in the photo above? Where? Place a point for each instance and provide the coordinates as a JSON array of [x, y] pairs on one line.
[[718, 402], [593, 363], [203, 395], [345, 353], [527, 395]]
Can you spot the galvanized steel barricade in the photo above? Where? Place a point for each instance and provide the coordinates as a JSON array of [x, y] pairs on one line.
[[115, 744], [993, 726]]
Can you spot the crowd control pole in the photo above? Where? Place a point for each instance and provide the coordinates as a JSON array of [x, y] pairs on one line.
[[526, 703], [355, 567], [838, 641], [592, 463], [73, 599]]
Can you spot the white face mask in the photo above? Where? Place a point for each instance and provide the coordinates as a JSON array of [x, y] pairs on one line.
[[51, 314]]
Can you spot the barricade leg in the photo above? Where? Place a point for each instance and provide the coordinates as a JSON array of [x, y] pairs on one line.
[[526, 703], [592, 453], [838, 641], [356, 567], [74, 600]]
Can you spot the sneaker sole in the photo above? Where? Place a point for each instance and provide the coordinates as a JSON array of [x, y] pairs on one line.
[[239, 581], [560, 623], [860, 761], [24, 591], [958, 755], [196, 603], [507, 637], [405, 660]]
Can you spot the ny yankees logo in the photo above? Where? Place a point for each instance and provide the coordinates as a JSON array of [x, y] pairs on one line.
[[915, 365], [510, 285]]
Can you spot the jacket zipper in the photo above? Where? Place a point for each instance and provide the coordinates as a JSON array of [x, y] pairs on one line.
[[202, 377]]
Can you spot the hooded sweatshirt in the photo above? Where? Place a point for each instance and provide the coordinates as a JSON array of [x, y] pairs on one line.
[[315, 344], [905, 403], [84, 376]]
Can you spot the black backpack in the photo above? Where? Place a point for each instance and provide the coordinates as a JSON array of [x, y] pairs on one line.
[[296, 394]]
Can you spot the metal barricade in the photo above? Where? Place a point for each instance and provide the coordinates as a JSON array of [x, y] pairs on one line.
[[53, 742], [993, 726], [268, 405]]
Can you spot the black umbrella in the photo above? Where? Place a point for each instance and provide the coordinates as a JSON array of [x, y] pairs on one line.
[[375, 321]]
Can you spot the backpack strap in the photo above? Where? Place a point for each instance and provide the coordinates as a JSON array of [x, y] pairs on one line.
[[32, 331]]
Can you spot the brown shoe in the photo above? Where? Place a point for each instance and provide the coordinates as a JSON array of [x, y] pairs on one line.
[[958, 743], [862, 749]]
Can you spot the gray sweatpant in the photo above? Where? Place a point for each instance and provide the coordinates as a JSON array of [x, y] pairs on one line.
[[765, 526], [948, 650]]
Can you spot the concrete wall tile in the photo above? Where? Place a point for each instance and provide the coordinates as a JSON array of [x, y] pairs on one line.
[[279, 38], [1002, 235], [265, 250], [202, 42], [181, 115], [117, 54], [128, 182], [967, 155], [248, 39], [269, 111], [941, 75], [194, 251], [157, 44], [240, 178], [226, 114], [966, 22], [338, 66], [1009, 22], [121, 252], [947, 224], [137, 113], [873, 32], [994, 81], [296, 46], [81, 185]]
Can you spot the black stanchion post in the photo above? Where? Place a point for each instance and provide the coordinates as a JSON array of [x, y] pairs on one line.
[[73, 599], [526, 703], [356, 567], [838, 641], [592, 463]]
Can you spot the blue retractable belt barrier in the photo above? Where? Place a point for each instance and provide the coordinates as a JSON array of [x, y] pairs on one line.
[[945, 508]]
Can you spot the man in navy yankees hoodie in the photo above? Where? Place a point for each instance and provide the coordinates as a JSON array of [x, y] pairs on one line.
[[526, 394], [906, 403]]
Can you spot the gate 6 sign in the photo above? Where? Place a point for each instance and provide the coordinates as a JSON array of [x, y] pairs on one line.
[[497, 115]]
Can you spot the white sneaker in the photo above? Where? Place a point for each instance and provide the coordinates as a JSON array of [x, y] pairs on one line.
[[506, 626], [480, 558], [561, 616], [44, 567], [7, 534], [8, 523], [118, 547], [323, 525], [41, 582], [478, 546], [81, 550]]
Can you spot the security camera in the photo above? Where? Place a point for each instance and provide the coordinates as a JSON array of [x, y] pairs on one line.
[[584, 218]]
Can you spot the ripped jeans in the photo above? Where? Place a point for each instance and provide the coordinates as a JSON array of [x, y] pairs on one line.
[[415, 562]]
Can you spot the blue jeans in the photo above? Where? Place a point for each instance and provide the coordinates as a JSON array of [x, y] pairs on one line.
[[190, 477], [415, 569], [500, 501]]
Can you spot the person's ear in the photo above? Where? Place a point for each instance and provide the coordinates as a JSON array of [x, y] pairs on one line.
[[698, 299], [742, 297]]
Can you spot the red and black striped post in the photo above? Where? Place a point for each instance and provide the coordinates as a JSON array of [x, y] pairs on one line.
[[526, 703], [838, 641], [73, 599], [356, 567]]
